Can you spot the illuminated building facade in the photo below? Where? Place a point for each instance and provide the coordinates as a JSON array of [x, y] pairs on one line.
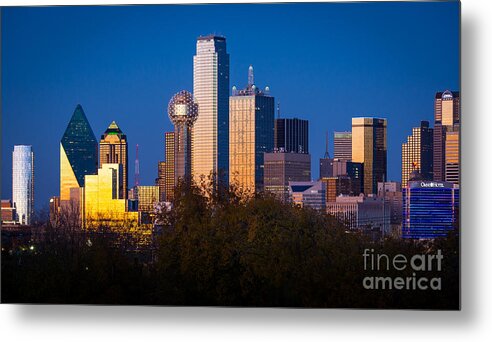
[[308, 194], [291, 135], [101, 204], [335, 186], [369, 148], [251, 126], [446, 119], [417, 153], [169, 173], [361, 212], [452, 157], [23, 183], [210, 151], [430, 209], [113, 149], [342, 145], [78, 153], [148, 196], [161, 180], [8, 212], [282, 168]]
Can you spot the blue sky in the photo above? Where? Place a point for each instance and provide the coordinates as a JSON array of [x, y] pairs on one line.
[[324, 62]]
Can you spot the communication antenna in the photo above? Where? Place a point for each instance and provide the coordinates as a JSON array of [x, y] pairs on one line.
[[278, 110], [251, 76], [137, 169]]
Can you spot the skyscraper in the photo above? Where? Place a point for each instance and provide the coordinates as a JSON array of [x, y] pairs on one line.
[[161, 180], [113, 149], [446, 119], [282, 168], [291, 135], [183, 112], [452, 157], [210, 151], [169, 174], [430, 209], [251, 123], [23, 183], [369, 147], [78, 153], [416, 153], [342, 145]]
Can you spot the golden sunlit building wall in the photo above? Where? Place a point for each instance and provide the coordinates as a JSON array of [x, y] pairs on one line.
[[446, 119], [78, 153], [169, 173], [251, 128], [416, 153], [113, 149], [452, 157], [101, 205], [369, 147]]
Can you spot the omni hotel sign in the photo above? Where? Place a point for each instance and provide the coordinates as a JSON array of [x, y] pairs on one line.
[[430, 184]]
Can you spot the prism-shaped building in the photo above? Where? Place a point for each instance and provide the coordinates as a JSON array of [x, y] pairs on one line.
[[78, 153]]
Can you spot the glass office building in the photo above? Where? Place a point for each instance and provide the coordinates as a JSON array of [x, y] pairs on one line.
[[369, 148], [416, 153], [291, 135], [210, 149], [23, 183], [430, 209], [250, 135], [78, 153], [342, 145]]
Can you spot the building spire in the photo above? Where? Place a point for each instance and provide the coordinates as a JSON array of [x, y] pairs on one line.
[[327, 153], [251, 76]]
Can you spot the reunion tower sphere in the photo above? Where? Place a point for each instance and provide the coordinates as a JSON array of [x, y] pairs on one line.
[[182, 109]]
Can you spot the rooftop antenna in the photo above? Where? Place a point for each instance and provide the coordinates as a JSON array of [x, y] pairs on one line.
[[278, 110], [327, 154], [137, 169], [251, 76]]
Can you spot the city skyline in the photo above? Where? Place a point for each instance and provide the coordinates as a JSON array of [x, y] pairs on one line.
[[294, 102]]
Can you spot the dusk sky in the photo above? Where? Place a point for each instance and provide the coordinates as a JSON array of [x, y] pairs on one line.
[[324, 62]]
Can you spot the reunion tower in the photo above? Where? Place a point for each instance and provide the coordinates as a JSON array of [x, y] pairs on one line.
[[183, 112]]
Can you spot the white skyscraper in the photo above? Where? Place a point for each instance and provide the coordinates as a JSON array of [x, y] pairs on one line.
[[23, 183], [210, 143]]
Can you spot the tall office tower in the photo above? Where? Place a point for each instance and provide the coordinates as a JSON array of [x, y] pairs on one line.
[[282, 168], [183, 112], [161, 180], [78, 153], [23, 183], [452, 157], [251, 121], [169, 169], [416, 153], [342, 148], [113, 149], [210, 151], [446, 119], [291, 135], [369, 147]]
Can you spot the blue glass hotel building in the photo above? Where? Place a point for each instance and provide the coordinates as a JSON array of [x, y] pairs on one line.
[[430, 209]]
